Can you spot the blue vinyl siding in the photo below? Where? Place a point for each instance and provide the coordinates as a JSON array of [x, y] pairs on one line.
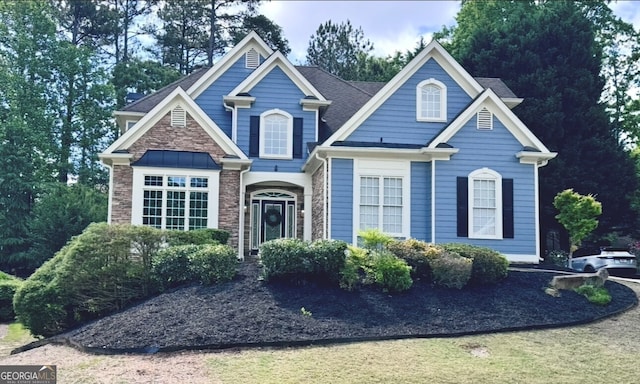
[[341, 208], [395, 120], [421, 201], [276, 91], [211, 99], [496, 150]]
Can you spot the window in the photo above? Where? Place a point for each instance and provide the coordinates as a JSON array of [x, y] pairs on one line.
[[175, 202], [431, 101], [484, 119], [276, 135], [381, 204], [485, 202]]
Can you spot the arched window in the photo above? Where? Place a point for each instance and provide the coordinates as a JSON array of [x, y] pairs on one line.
[[431, 101], [485, 204], [276, 134]]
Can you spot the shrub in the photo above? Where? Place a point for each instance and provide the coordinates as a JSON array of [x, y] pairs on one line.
[[489, 266], [285, 259], [356, 268], [96, 273], [212, 264], [197, 236], [391, 273], [327, 258], [418, 255], [451, 271], [8, 288], [374, 238], [171, 265], [595, 295]]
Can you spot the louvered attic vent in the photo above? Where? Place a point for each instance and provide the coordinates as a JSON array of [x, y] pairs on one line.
[[485, 119], [252, 59], [178, 117]]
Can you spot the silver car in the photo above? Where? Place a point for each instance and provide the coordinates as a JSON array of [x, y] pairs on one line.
[[614, 259]]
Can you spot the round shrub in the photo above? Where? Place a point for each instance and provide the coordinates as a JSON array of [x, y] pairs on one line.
[[390, 272], [197, 236], [451, 271], [285, 259], [327, 258], [418, 255], [171, 265], [489, 266], [211, 264]]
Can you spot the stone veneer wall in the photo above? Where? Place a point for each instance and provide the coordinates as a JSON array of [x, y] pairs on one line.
[[318, 204], [192, 137]]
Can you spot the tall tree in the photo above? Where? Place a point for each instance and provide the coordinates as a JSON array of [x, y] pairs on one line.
[[27, 37], [339, 49], [140, 76], [546, 51], [269, 31]]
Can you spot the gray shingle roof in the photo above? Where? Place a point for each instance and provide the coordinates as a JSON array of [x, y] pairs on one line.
[[147, 103], [498, 86]]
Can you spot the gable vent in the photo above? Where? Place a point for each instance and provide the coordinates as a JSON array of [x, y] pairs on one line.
[[485, 119], [178, 117], [252, 59]]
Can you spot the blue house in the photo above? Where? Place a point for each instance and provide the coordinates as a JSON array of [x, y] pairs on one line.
[[265, 149]]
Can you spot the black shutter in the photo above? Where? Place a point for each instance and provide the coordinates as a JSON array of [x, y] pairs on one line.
[[462, 198], [254, 136], [297, 138], [507, 209]]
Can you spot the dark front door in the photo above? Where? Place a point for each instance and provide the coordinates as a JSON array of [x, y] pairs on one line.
[[273, 220]]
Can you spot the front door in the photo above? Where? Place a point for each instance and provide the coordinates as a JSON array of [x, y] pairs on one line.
[[273, 215]]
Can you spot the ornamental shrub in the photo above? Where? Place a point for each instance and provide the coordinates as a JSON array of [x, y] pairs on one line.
[[451, 270], [285, 259], [595, 295], [213, 263], [327, 258], [8, 288], [171, 265], [356, 269], [391, 273], [197, 236], [489, 266], [374, 238], [418, 255]]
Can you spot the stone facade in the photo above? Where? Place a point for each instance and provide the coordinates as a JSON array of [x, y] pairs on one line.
[[318, 204], [192, 137]]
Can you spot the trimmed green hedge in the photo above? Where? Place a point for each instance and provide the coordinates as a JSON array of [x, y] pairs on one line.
[[489, 266], [8, 288]]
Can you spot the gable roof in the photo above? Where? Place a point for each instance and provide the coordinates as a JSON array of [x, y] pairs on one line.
[[434, 51], [177, 97], [277, 59], [494, 104]]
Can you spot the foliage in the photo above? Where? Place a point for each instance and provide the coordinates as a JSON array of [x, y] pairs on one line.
[[339, 49], [268, 31], [96, 273], [140, 76], [356, 268], [577, 214], [488, 266], [197, 236], [391, 273], [8, 288], [547, 53], [559, 258], [595, 295], [213, 264], [62, 212], [418, 255], [374, 238], [451, 271], [171, 265], [296, 260]]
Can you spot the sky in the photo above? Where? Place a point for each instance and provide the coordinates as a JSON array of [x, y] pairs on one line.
[[390, 25]]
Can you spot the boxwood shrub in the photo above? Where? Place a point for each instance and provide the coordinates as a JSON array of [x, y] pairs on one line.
[[451, 271], [213, 263], [8, 288], [197, 236], [418, 255], [489, 266]]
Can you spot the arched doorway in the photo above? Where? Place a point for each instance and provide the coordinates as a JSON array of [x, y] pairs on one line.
[[272, 216]]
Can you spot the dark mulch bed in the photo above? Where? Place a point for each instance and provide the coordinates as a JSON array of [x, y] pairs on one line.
[[247, 312]]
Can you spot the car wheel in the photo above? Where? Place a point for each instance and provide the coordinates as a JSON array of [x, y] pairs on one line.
[[589, 269]]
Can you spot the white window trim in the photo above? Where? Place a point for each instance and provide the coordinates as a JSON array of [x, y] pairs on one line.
[[129, 124], [263, 116], [443, 101], [138, 188], [388, 168], [486, 174]]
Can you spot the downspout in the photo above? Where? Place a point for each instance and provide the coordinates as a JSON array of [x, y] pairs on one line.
[[241, 217], [433, 201], [110, 201], [536, 168], [327, 201], [234, 121]]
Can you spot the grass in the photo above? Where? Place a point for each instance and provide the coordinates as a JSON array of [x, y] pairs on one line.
[[570, 355], [16, 335]]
